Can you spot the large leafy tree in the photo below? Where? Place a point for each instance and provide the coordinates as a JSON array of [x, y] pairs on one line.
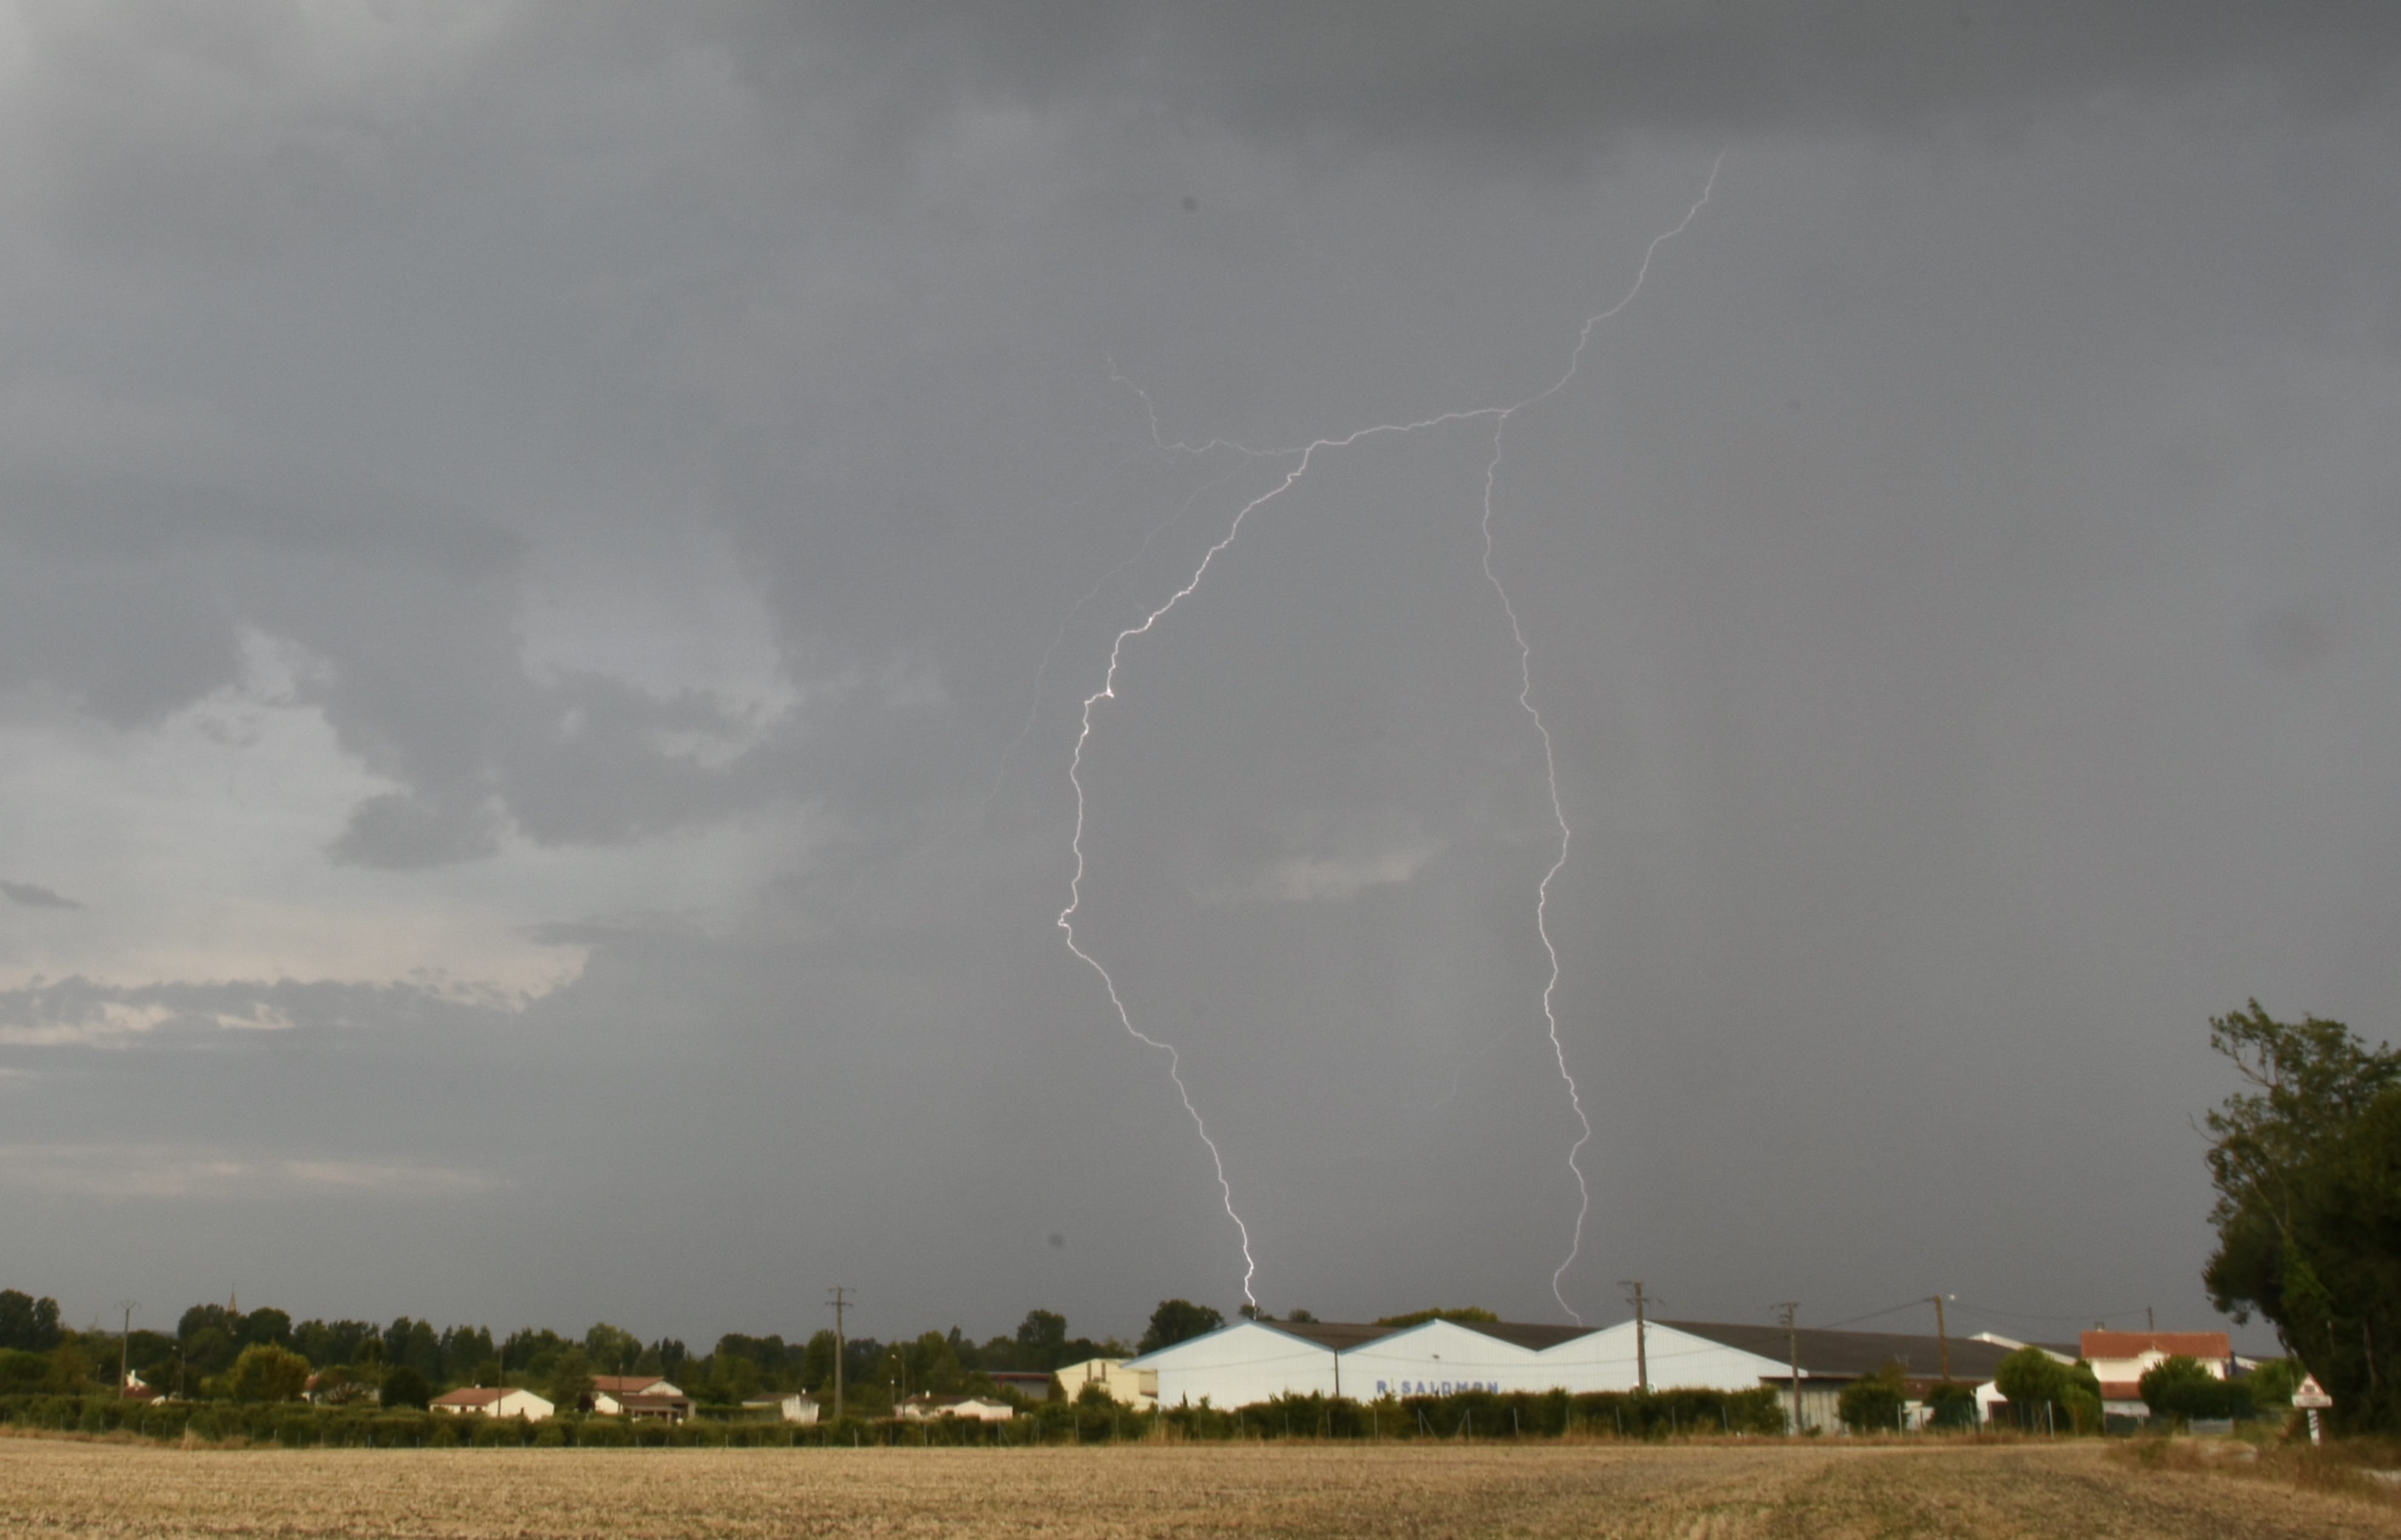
[[612, 1350], [570, 1379], [403, 1386], [2034, 1380], [1176, 1321], [264, 1372], [1042, 1340], [27, 1324], [2307, 1164]]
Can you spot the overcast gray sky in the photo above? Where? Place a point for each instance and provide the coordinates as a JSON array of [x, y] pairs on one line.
[[550, 557]]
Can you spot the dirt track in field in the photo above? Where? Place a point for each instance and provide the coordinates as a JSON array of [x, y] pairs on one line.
[[1700, 1493]]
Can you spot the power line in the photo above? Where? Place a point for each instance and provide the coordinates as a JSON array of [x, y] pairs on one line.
[[1888, 1310], [2027, 1316]]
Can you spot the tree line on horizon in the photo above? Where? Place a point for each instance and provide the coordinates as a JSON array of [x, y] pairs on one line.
[[409, 1360], [2306, 1163], [219, 1352]]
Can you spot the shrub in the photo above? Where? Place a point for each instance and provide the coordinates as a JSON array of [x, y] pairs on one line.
[[2272, 1384], [1952, 1406], [2033, 1379], [1874, 1404], [400, 1430], [2182, 1389], [404, 1387], [23, 1371], [266, 1372]]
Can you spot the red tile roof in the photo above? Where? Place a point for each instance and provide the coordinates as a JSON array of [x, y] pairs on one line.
[[2134, 1344]]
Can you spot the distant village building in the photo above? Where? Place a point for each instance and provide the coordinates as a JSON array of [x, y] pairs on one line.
[[1137, 1388], [2120, 1359], [794, 1408], [1831, 1360], [494, 1403], [1031, 1385], [982, 1408], [637, 1396]]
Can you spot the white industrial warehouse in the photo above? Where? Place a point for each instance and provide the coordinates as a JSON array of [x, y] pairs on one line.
[[1255, 1361]]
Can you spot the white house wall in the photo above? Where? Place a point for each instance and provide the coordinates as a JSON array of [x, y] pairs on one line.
[[1242, 1365], [1606, 1360], [1250, 1362], [1439, 1358]]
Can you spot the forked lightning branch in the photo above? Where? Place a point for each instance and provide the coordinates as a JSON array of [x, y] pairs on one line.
[[1300, 460]]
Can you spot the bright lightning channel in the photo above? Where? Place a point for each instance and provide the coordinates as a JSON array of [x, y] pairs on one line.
[[1304, 457]]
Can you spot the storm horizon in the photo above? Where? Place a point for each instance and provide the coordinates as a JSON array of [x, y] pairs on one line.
[[652, 661]]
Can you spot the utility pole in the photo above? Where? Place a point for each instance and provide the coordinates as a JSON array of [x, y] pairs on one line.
[[1641, 1338], [2148, 1324], [1943, 1335], [1792, 1350], [124, 1346], [841, 1300]]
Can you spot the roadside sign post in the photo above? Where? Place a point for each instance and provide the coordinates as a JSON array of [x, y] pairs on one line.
[[2311, 1398]]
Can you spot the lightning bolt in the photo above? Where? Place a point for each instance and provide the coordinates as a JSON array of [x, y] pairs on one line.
[[983, 807], [1303, 459], [1550, 757]]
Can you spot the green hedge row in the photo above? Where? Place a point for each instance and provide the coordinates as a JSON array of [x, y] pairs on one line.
[[1475, 1414]]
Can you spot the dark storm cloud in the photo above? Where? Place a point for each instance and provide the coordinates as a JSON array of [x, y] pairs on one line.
[[1550, 78], [35, 895], [131, 601], [1956, 589]]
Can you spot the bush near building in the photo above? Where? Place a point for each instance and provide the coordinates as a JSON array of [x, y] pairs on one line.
[[2044, 1391], [2182, 1389], [1874, 1404]]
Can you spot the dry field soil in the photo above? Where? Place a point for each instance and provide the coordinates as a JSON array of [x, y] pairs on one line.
[[58, 1488]]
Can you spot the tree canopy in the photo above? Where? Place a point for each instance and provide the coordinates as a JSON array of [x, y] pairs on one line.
[[266, 1372], [2032, 1379], [2307, 1164], [404, 1387], [1176, 1321], [27, 1324], [1874, 1403], [2183, 1388], [1456, 1312]]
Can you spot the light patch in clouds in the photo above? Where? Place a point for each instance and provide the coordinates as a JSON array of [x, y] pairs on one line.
[[35, 895], [668, 610], [81, 1012], [1333, 877], [206, 837], [136, 1173], [92, 1024]]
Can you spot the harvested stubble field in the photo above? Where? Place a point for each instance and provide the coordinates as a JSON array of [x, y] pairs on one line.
[[58, 1488]]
